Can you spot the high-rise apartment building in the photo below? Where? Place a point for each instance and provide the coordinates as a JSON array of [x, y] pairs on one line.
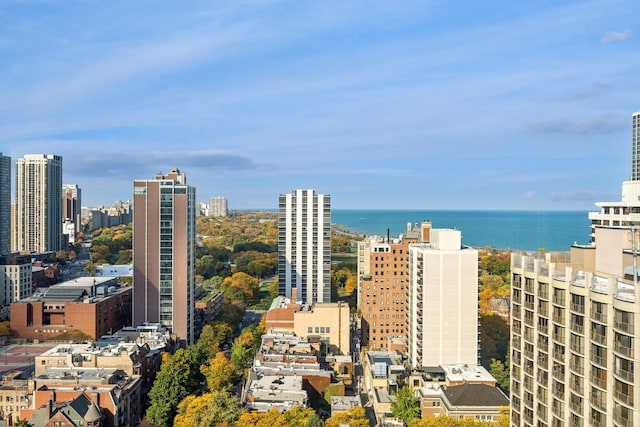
[[72, 205], [625, 213], [5, 204], [304, 246], [574, 339], [442, 301], [218, 206], [164, 224], [383, 283], [39, 203]]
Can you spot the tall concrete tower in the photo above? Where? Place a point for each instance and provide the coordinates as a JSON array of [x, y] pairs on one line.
[[164, 234], [5, 204], [39, 203], [304, 246]]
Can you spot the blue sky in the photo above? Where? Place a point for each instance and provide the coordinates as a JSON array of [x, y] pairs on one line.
[[403, 104]]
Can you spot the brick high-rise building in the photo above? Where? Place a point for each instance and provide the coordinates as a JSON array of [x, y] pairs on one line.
[[164, 233], [383, 284], [39, 203]]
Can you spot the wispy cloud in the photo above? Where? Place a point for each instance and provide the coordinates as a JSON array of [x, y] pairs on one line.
[[616, 36], [589, 196], [138, 165], [595, 89], [528, 195], [595, 125]]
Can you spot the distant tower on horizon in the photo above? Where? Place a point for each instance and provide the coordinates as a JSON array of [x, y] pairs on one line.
[[5, 204], [39, 203], [635, 147], [72, 205], [164, 240], [304, 246], [624, 213], [218, 206]]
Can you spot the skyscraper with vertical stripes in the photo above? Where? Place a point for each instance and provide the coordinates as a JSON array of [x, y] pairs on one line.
[[304, 246], [5, 204], [39, 203], [164, 233]]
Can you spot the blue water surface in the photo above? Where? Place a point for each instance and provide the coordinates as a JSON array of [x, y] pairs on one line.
[[520, 230]]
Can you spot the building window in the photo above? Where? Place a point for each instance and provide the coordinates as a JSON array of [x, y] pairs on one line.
[[310, 329]]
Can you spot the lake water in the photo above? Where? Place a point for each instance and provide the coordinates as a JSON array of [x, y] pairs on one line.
[[520, 230]]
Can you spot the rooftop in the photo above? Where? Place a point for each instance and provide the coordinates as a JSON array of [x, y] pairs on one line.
[[467, 373]]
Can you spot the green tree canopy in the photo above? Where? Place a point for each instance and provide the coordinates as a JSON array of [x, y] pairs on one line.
[[406, 405]]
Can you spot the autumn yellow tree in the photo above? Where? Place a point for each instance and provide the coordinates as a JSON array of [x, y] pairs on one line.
[[265, 419], [218, 373], [248, 285], [210, 409], [354, 417]]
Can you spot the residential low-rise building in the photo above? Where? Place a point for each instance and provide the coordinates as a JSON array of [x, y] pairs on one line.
[[116, 394], [328, 321], [86, 307]]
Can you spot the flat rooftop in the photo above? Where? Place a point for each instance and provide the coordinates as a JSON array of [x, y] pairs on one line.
[[467, 373]]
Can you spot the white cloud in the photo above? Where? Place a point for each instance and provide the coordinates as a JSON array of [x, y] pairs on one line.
[[528, 195], [616, 36]]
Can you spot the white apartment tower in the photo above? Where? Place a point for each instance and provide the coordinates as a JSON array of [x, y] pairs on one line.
[[625, 213], [39, 203], [442, 304], [5, 204], [304, 246], [164, 241], [218, 206]]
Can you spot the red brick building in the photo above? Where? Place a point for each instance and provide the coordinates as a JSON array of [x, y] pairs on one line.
[[86, 306]]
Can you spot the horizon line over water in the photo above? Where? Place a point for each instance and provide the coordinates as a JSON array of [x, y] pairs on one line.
[[501, 229]]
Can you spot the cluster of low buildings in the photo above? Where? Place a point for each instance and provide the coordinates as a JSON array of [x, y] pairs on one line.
[[98, 383]]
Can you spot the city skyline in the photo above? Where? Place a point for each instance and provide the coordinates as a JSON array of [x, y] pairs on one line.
[[418, 105]]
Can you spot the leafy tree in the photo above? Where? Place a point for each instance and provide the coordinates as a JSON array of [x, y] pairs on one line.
[[351, 283], [210, 409], [125, 257], [175, 381], [243, 282], [406, 405], [500, 372], [5, 328], [354, 417], [206, 266], [274, 289], [265, 419], [494, 338], [22, 423], [504, 420], [218, 373], [301, 417]]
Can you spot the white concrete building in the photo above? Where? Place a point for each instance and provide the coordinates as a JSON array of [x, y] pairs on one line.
[[218, 206], [304, 246], [39, 203], [443, 301]]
